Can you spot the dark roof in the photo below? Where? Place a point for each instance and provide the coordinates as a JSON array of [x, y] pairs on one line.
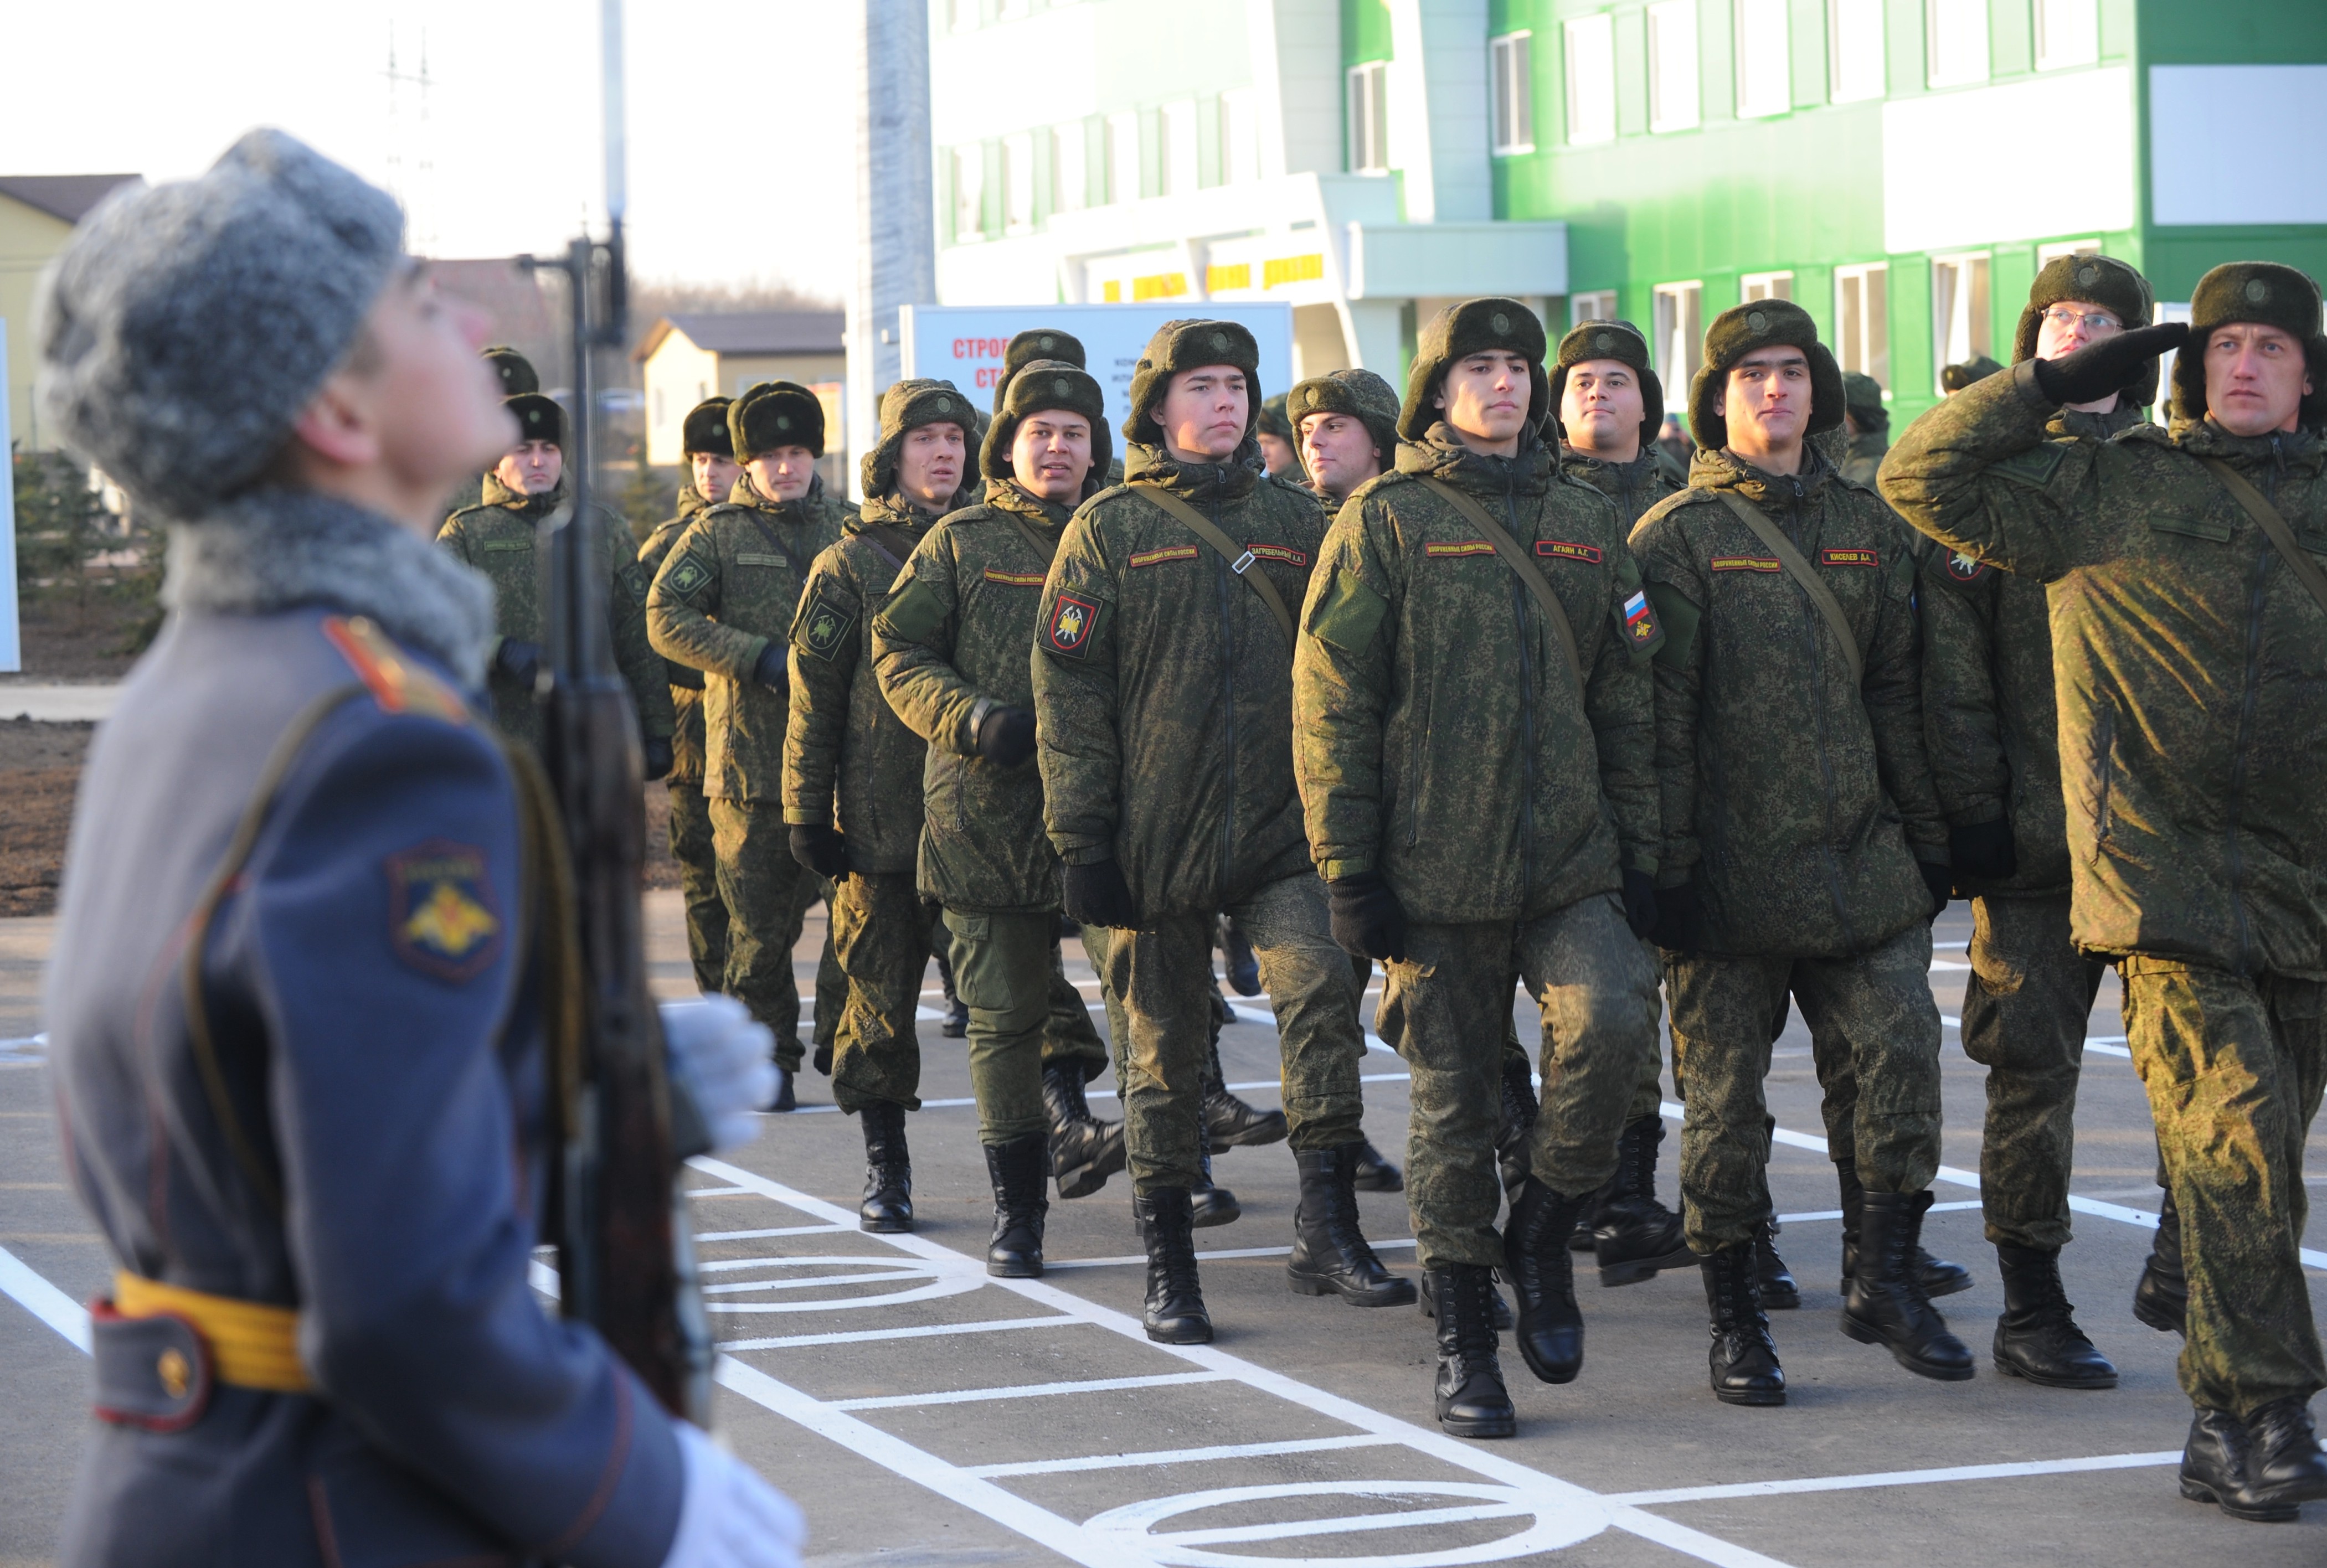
[[752, 332], [65, 197]]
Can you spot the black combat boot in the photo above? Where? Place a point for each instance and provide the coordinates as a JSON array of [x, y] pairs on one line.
[[1212, 1205], [1174, 1313], [1885, 1304], [1017, 1169], [1243, 967], [1636, 1236], [1084, 1150], [1542, 1272], [2263, 1469], [1938, 1276], [1499, 1310], [1329, 1255], [1471, 1399], [888, 1206], [1511, 1138], [1781, 1292], [1230, 1124], [2162, 1299], [1743, 1359], [956, 1024], [783, 1099], [2037, 1338], [1376, 1174]]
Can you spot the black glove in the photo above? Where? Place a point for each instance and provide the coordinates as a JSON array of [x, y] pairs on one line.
[[2100, 369], [1680, 918], [520, 661], [1983, 852], [1005, 737], [823, 1060], [770, 671], [1096, 894], [659, 756], [1640, 904], [1368, 920], [1941, 881], [821, 849]]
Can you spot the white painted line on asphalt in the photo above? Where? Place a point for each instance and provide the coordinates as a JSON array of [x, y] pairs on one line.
[[717, 1191], [1129, 1258], [1026, 1391], [37, 1296], [1969, 1472], [1141, 1459], [761, 1234], [922, 1331]]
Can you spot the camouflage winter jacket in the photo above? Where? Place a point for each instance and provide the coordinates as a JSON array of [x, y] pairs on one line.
[[1438, 737], [849, 761], [953, 645], [1165, 685], [728, 588], [2190, 664], [1797, 802], [1863, 456], [686, 683], [500, 537], [1988, 710], [1634, 486]]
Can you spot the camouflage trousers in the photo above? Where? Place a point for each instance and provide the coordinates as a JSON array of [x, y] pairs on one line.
[[1068, 1037], [1444, 1008], [2234, 1068], [2025, 1012], [699, 881], [1648, 1094], [1003, 971], [882, 932], [1874, 1034], [767, 894], [1160, 977]]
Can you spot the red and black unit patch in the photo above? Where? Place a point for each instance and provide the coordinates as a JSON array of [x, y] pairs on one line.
[[1072, 620], [1565, 551], [1966, 569], [1849, 558], [1460, 548], [1747, 564], [1167, 553], [1015, 579], [1285, 552], [442, 917]]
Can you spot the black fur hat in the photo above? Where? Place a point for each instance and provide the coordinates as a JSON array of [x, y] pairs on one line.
[[1189, 345], [1459, 331], [1045, 384], [1624, 342], [706, 430], [2092, 280], [775, 414], [538, 418], [1035, 343], [1736, 332], [2263, 291], [516, 371]]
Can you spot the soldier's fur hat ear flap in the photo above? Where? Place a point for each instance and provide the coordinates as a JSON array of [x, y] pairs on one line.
[[1458, 331], [1190, 344], [1738, 332], [1041, 385], [2265, 292], [1618, 340], [905, 408]]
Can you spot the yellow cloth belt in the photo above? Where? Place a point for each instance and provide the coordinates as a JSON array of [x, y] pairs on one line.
[[252, 1345]]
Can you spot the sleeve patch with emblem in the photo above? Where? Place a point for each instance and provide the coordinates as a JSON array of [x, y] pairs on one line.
[[1640, 620], [687, 578], [823, 627], [1168, 553], [442, 918], [633, 579], [1966, 569], [1072, 620], [1849, 558], [1566, 550]]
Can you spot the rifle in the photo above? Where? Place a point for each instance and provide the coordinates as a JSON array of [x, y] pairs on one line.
[[625, 1253]]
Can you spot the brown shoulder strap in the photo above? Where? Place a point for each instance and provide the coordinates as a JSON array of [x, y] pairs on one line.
[[1529, 574], [889, 542], [1046, 549], [1240, 559], [768, 532], [2258, 507], [1774, 539]]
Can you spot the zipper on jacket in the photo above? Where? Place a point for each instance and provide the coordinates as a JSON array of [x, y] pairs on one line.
[[1228, 694], [1825, 735], [2249, 696], [1527, 704]]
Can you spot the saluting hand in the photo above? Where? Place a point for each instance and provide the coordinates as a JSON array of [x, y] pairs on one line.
[[2101, 367]]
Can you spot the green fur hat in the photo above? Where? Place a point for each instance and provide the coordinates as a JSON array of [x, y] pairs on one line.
[[775, 414], [1272, 420], [2262, 292], [1624, 342], [1459, 331], [906, 408], [1189, 345], [1861, 395], [706, 430], [538, 418], [1035, 343], [2092, 280], [516, 371], [1736, 332], [1359, 394], [1954, 379], [1046, 384]]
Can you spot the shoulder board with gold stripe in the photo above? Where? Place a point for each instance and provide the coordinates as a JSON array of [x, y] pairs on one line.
[[399, 685]]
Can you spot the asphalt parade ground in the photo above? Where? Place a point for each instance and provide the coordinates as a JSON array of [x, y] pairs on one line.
[[923, 1413]]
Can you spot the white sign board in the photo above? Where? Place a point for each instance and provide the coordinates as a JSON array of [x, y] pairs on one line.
[[12, 653], [963, 344]]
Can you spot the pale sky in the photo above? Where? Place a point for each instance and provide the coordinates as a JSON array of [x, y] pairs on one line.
[[741, 129]]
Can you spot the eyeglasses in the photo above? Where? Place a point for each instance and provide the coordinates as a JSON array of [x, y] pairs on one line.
[[2069, 321]]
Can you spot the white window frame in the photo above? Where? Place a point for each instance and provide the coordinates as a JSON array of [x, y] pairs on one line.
[[1862, 340], [1240, 138], [1588, 67], [1176, 170], [1961, 298], [1123, 156], [2068, 32], [1070, 167], [1676, 76], [1765, 285], [1597, 304], [1857, 69], [1366, 99], [1510, 80], [969, 192], [1677, 331], [1964, 21], [2046, 254], [1764, 55], [1018, 183], [961, 16]]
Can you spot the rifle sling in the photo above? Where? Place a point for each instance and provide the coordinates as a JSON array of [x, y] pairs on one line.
[[1773, 538], [1240, 559], [2266, 515], [1527, 572], [891, 544], [1046, 549]]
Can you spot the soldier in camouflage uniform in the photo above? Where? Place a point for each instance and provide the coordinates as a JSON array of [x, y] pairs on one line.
[[1804, 852], [724, 604], [500, 537], [1345, 431], [1868, 426], [1163, 679], [1475, 768], [1990, 716], [2191, 647], [952, 647], [710, 453], [1274, 431]]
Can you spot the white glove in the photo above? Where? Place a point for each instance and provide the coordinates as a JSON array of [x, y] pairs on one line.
[[722, 1059], [729, 1517]]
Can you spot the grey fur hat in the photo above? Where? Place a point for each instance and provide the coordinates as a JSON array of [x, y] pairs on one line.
[[185, 326]]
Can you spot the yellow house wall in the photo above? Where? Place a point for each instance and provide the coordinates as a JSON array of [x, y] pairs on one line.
[[28, 239], [678, 377]]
